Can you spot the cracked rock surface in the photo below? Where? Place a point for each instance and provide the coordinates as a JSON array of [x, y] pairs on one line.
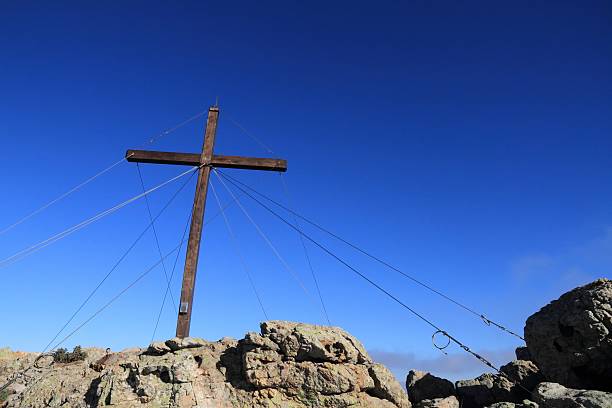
[[286, 365], [552, 395], [570, 339]]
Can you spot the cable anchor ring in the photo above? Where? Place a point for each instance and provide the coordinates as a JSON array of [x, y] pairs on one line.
[[441, 347]]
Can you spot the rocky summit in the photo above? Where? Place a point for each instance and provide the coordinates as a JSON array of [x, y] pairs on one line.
[[565, 363], [570, 339], [286, 365]]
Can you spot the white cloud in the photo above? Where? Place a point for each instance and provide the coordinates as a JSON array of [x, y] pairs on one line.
[[530, 265], [567, 269], [452, 366], [550, 273]]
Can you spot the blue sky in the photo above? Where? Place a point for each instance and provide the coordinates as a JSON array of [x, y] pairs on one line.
[[465, 142]]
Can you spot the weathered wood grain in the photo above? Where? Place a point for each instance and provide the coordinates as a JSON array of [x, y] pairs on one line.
[[193, 159]]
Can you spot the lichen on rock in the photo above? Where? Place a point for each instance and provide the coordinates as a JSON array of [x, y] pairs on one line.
[[557, 396], [286, 365]]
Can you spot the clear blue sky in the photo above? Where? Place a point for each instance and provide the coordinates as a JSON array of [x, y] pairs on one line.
[[466, 142]]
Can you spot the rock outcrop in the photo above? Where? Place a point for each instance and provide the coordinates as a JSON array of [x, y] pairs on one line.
[[525, 374], [552, 395], [522, 353], [448, 402], [570, 339], [524, 404], [569, 344], [485, 390], [422, 385], [567, 364], [286, 365]]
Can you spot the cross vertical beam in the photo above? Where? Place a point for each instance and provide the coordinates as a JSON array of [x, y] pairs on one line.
[[195, 231], [206, 160]]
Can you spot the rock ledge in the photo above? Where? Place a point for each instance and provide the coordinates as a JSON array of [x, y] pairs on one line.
[[286, 365]]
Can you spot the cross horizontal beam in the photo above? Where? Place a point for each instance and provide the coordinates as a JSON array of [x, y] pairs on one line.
[[193, 159]]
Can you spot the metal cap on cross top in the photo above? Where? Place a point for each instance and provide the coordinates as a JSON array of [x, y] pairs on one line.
[[205, 160]]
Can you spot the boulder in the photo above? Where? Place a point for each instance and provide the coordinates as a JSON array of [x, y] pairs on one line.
[[422, 385], [304, 342], [524, 404], [524, 373], [386, 386], [485, 390], [448, 402], [552, 395], [158, 348], [176, 343], [522, 353], [570, 338], [288, 364]]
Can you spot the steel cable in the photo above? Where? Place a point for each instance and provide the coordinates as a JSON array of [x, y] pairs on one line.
[[481, 316], [117, 263], [265, 238], [384, 291], [239, 253], [178, 253], [100, 310], [57, 237], [174, 303], [306, 255], [95, 176]]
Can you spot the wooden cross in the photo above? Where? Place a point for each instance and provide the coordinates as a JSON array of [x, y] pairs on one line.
[[206, 161]]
